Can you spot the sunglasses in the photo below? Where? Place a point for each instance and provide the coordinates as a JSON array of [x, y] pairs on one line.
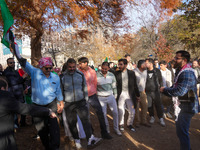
[[11, 62], [48, 68]]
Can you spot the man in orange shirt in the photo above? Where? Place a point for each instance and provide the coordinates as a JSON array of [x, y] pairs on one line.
[[91, 81]]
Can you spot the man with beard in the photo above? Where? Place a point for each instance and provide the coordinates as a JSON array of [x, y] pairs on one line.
[[184, 92], [141, 77], [107, 92], [91, 81], [75, 93], [15, 86], [153, 84], [46, 92], [127, 93]]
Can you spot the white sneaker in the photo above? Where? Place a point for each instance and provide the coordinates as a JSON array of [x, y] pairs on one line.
[[152, 120], [169, 115], [162, 123], [164, 115], [78, 143], [118, 132], [93, 141]]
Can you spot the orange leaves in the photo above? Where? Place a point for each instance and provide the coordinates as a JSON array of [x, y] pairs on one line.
[[170, 5], [163, 49]]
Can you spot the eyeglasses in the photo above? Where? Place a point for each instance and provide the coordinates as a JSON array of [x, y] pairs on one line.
[[48, 68], [11, 62]]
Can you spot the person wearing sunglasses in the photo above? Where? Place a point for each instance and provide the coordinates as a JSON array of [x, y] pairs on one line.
[[15, 86], [184, 97], [46, 92]]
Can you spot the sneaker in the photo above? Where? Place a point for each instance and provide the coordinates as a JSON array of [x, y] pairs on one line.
[[106, 136], [121, 127], [152, 120], [169, 115], [164, 115], [130, 127], [93, 141], [118, 132], [78, 143], [162, 123]]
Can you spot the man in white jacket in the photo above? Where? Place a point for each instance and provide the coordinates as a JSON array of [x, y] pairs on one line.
[[167, 82]]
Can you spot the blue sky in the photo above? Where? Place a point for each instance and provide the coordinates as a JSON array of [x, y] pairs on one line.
[[144, 15]]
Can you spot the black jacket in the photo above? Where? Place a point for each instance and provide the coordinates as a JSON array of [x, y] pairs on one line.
[[15, 83], [8, 107], [132, 85], [158, 80]]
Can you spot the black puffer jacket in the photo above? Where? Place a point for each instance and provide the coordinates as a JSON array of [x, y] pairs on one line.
[[15, 83]]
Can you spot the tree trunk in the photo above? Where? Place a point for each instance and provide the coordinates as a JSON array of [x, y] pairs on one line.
[[36, 46]]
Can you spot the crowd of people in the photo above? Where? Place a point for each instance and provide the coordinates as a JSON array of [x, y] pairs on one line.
[[166, 86]]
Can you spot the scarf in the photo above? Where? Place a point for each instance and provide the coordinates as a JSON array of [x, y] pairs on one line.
[[175, 100]]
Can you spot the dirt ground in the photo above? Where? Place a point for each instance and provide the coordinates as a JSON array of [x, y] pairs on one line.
[[154, 138]]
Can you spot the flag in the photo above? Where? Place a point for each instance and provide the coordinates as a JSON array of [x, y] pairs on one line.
[[8, 36], [106, 60]]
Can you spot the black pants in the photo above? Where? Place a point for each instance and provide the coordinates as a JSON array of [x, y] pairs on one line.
[[78, 108], [154, 99], [94, 102], [48, 126]]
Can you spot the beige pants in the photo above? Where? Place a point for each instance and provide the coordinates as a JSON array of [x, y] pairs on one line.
[[144, 108]]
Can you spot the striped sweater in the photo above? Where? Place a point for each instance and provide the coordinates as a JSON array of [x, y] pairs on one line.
[[106, 85]]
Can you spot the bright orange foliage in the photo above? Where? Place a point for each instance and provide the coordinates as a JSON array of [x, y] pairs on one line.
[[163, 50]]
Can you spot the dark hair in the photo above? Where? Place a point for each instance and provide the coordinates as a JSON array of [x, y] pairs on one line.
[[150, 60], [127, 55], [140, 62], [83, 60], [9, 59], [184, 54], [155, 59], [71, 60], [123, 60], [105, 64], [64, 67], [3, 82], [162, 62], [195, 60]]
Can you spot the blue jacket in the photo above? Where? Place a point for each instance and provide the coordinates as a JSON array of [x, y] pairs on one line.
[[74, 86]]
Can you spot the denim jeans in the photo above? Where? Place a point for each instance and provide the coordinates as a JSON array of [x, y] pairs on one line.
[[183, 125]]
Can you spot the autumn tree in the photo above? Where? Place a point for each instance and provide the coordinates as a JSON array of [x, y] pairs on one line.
[[192, 16], [33, 17], [163, 49]]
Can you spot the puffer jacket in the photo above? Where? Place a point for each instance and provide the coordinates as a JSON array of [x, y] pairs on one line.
[[74, 86], [15, 83]]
